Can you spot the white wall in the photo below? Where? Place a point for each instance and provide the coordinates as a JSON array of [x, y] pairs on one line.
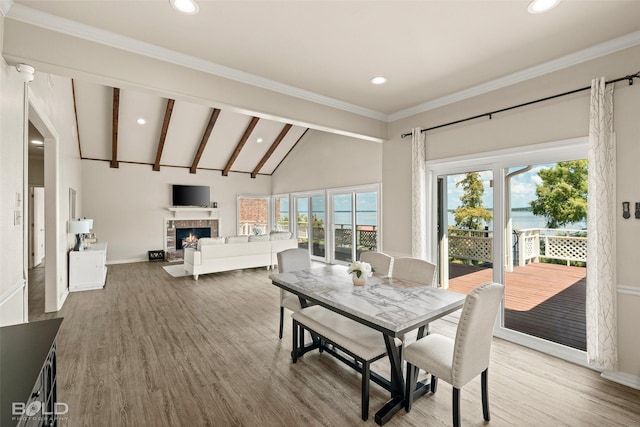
[[12, 280], [323, 160], [129, 204], [563, 118]]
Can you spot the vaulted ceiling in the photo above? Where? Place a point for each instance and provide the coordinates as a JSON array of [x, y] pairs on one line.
[[124, 125], [323, 52]]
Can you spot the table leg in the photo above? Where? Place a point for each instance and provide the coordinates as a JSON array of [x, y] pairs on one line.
[[397, 383]]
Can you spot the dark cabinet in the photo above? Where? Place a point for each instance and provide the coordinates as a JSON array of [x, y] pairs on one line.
[[28, 374]]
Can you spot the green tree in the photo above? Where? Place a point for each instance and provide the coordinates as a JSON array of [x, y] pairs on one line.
[[471, 213], [562, 195]]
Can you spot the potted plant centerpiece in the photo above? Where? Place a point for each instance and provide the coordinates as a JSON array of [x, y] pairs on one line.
[[359, 271]]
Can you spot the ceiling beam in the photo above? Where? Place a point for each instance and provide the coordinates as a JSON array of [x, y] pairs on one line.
[[163, 133], [114, 128], [75, 113], [205, 138], [243, 140], [273, 147]]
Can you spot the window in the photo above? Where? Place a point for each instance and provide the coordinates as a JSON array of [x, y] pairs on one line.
[[311, 222], [355, 222], [253, 214], [280, 213], [335, 225]]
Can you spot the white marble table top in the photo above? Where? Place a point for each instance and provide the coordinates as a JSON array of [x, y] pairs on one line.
[[390, 305]]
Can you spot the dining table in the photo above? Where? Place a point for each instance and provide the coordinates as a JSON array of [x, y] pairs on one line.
[[392, 306]]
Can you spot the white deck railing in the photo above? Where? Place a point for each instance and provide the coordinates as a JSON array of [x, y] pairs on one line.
[[533, 244], [556, 244], [471, 245]]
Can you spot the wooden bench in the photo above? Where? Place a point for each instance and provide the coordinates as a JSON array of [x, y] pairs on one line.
[[361, 342]]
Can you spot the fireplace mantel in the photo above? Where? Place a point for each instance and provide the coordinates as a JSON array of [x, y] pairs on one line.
[[186, 212]]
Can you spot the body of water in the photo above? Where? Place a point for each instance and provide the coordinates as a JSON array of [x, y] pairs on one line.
[[362, 217], [521, 220], [526, 219]]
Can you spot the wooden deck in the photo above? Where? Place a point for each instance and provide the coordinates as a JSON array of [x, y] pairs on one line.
[[543, 300]]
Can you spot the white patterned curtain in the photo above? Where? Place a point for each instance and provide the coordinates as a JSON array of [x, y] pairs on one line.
[[418, 195], [601, 272]]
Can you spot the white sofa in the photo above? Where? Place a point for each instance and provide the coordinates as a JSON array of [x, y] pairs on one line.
[[232, 253]]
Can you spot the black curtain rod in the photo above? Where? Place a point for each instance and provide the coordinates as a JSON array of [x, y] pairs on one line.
[[629, 78]]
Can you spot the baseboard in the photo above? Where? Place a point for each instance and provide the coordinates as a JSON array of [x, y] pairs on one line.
[[62, 300], [127, 261], [629, 290], [623, 378]]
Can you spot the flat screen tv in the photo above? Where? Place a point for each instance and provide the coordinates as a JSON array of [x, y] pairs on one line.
[[191, 195]]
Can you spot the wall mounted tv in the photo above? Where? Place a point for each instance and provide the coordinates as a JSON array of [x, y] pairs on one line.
[[191, 195]]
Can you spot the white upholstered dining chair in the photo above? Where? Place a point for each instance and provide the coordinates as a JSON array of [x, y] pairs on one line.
[[457, 361], [413, 270], [380, 262], [291, 260]]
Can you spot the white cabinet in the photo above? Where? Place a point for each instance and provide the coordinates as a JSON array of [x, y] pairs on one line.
[[87, 268]]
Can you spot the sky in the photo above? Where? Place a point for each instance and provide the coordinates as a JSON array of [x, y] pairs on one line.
[[523, 188]]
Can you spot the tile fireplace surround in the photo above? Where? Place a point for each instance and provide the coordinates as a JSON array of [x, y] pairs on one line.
[[173, 253]]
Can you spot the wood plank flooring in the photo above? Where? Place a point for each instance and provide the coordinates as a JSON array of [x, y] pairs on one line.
[[543, 300], [153, 350]]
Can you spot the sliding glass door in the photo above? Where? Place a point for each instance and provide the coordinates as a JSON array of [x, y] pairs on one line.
[[546, 251], [343, 227], [311, 223], [355, 222], [525, 227], [466, 243], [335, 226]]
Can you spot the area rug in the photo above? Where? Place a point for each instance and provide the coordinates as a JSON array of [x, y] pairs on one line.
[[176, 270]]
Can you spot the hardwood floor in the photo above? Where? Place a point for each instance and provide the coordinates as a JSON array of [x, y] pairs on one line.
[[153, 350]]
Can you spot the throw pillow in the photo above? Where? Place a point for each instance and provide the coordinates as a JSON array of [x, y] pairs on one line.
[[280, 235], [237, 239]]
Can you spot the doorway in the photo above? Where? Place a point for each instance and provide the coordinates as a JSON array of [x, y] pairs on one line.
[[55, 290], [501, 246], [355, 222], [311, 220]]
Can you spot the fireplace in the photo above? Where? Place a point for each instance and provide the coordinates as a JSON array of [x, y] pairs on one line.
[[188, 237], [184, 233]]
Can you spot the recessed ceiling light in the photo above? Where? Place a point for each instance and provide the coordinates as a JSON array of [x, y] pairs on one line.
[[539, 6], [141, 121], [259, 140], [36, 142], [378, 80], [190, 7]]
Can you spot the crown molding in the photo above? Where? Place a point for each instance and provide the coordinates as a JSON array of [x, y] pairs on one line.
[[35, 17], [41, 19], [566, 61], [5, 5]]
